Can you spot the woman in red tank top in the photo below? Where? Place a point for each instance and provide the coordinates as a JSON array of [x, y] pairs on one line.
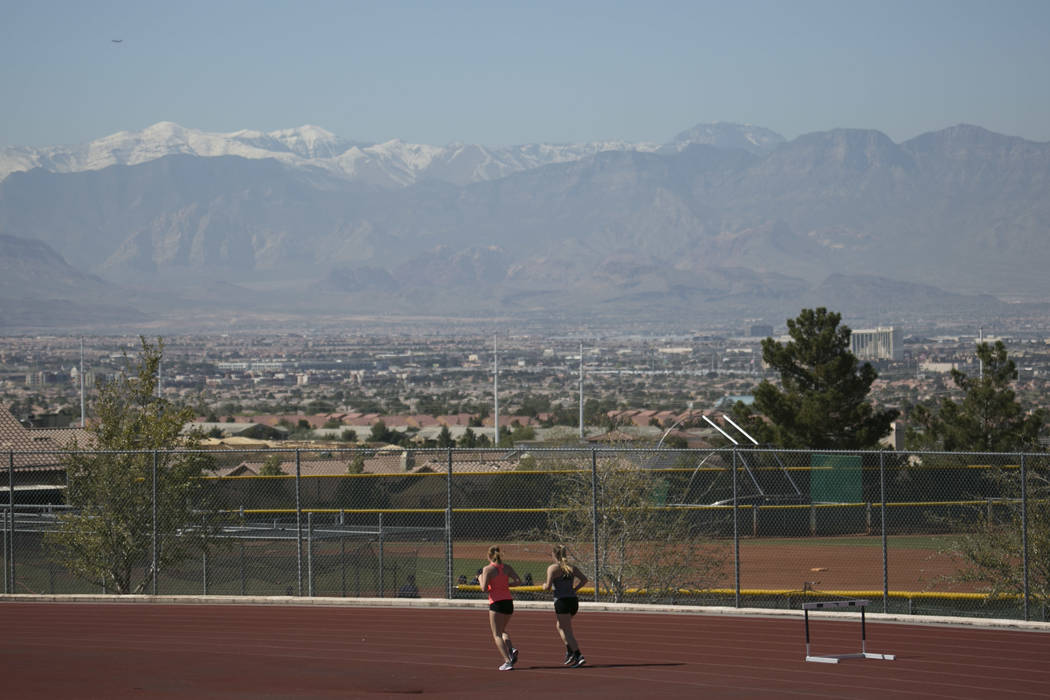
[[496, 580]]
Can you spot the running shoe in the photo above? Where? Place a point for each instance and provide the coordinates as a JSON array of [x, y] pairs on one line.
[[568, 658], [513, 656], [506, 667], [577, 660]]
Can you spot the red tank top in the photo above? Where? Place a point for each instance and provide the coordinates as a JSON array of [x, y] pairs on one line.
[[499, 585]]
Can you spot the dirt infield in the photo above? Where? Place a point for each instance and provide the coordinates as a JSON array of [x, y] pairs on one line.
[[833, 564]]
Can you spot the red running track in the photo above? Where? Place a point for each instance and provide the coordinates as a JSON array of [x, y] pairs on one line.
[[122, 650]]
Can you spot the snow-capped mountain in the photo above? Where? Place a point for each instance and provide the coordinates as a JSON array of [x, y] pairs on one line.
[[167, 138], [305, 141], [390, 164], [747, 137]]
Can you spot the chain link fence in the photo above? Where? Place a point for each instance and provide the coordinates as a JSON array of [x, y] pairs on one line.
[[925, 533]]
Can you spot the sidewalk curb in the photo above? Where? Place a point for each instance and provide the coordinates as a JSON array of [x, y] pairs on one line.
[[480, 604]]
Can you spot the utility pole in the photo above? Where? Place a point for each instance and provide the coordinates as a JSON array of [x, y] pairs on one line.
[[82, 418], [581, 390], [495, 391], [980, 362]]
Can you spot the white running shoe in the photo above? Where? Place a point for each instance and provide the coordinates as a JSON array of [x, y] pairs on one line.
[[506, 666]]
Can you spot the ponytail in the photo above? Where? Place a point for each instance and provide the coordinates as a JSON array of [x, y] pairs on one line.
[[562, 555], [495, 555]]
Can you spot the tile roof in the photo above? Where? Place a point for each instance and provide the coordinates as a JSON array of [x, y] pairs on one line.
[[16, 437], [66, 436], [469, 461], [319, 467]]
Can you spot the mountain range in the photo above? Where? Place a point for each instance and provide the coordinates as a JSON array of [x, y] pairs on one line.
[[723, 220], [390, 164]]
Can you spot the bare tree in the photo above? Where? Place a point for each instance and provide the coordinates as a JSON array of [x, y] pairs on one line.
[[990, 551], [645, 548]]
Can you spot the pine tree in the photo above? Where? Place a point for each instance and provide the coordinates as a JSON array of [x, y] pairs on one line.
[[821, 402], [445, 438], [988, 419]]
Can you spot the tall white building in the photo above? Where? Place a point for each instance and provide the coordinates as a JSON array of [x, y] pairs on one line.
[[882, 343]]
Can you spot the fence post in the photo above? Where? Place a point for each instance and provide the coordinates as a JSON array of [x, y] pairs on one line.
[[885, 556], [736, 538], [448, 527], [5, 551], [357, 578], [11, 510], [204, 569], [298, 524], [243, 580], [1024, 530], [594, 519], [310, 554], [381, 582], [155, 553]]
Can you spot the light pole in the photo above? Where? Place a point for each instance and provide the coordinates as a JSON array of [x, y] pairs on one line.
[[82, 419], [581, 390], [495, 391]]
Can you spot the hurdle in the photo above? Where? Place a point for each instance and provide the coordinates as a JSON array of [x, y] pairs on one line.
[[835, 658]]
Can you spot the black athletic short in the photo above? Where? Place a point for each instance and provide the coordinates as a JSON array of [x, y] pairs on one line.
[[503, 606], [564, 606]]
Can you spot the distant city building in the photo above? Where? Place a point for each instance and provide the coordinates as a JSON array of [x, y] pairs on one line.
[[43, 378], [729, 400], [253, 366], [760, 330], [89, 378], [938, 367], [883, 343], [895, 440]]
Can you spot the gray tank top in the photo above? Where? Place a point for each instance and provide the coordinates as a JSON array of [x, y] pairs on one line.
[[563, 586]]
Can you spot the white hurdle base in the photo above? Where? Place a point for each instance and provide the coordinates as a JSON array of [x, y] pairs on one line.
[[835, 658], [838, 657]]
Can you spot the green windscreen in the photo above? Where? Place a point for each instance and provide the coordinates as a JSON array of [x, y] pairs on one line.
[[836, 479]]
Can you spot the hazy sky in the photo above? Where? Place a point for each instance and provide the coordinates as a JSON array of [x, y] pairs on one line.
[[501, 73]]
